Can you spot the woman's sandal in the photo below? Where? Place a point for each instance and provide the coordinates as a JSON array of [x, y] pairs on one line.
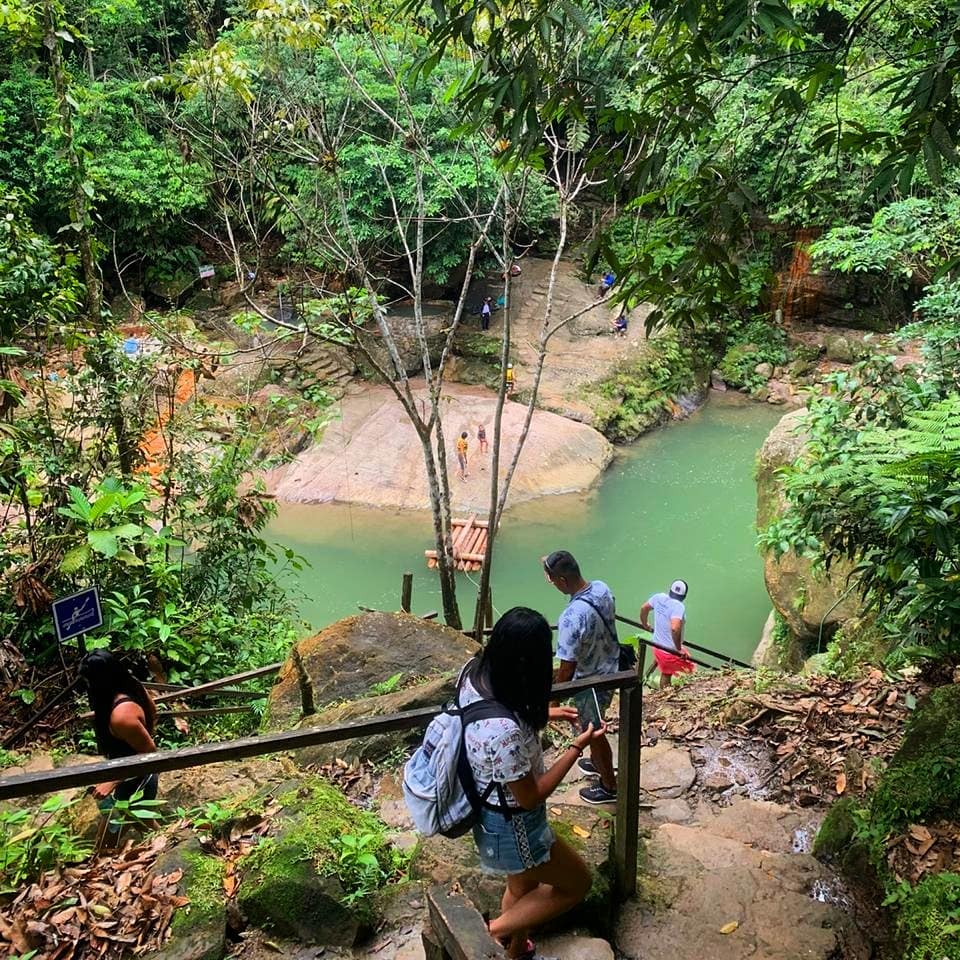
[[531, 953]]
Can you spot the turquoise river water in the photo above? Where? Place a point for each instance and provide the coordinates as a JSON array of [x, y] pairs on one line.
[[679, 502]]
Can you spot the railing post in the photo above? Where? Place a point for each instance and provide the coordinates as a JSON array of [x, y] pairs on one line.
[[406, 592], [626, 836]]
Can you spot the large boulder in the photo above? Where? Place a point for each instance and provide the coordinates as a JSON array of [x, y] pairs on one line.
[[379, 746], [812, 603], [345, 661]]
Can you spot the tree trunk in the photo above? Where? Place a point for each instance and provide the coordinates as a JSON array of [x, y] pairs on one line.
[[79, 210]]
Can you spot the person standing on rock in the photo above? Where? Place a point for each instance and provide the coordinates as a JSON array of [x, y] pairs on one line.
[[669, 617], [587, 646], [482, 437], [485, 311], [462, 454], [510, 378], [545, 876]]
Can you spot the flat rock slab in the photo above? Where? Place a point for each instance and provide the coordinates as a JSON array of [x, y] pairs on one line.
[[666, 771], [673, 811], [703, 881], [371, 454], [572, 946], [760, 824]]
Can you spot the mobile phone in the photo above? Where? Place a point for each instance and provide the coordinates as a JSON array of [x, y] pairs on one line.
[[596, 703]]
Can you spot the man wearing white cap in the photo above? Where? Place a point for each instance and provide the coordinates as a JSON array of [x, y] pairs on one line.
[[669, 616]]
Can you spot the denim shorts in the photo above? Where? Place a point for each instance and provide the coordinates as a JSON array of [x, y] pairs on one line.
[[512, 846], [587, 708]]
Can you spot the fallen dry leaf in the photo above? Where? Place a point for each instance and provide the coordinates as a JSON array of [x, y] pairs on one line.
[[841, 782], [730, 927], [580, 832]]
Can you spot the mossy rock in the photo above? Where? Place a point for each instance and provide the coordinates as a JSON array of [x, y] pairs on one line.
[[473, 345], [199, 930], [835, 832], [294, 884], [347, 658], [927, 919], [922, 781]]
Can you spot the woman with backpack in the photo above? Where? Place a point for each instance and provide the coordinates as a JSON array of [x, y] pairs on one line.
[[545, 877]]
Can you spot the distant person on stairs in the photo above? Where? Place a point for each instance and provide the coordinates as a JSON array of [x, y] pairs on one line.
[[669, 618], [485, 312], [587, 646], [545, 877], [462, 455]]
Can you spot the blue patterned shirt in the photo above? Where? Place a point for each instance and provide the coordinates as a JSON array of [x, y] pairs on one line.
[[582, 636]]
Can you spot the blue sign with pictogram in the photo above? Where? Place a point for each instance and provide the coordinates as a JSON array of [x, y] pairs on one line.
[[79, 613]]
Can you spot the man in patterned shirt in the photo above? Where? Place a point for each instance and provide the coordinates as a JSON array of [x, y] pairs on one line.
[[587, 645]]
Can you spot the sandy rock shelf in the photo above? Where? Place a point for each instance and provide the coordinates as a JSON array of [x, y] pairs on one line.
[[371, 455]]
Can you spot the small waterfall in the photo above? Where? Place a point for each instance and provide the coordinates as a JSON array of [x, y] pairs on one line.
[[798, 289]]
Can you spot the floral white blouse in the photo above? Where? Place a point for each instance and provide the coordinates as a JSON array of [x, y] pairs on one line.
[[500, 750]]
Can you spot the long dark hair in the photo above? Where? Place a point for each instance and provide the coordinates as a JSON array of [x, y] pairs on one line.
[[106, 677], [517, 663]]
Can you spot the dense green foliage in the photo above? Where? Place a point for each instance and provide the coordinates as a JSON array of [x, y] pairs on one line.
[[880, 485], [921, 786]]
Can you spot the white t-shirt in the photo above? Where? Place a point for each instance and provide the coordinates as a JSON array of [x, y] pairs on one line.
[[665, 609], [499, 749]]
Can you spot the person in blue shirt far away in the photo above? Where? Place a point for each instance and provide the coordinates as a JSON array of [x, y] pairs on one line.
[[607, 282], [587, 645]]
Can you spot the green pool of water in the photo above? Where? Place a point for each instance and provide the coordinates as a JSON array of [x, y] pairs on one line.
[[679, 502]]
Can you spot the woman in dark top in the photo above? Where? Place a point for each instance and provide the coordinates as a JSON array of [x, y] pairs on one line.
[[124, 719]]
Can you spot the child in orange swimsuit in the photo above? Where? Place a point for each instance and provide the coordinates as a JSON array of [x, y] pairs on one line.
[[462, 454]]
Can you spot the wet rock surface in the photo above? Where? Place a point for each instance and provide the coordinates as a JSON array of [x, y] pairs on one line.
[[730, 883]]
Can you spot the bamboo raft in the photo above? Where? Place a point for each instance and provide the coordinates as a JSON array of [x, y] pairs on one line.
[[469, 545]]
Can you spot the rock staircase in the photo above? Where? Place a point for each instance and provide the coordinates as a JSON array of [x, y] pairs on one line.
[[580, 354]]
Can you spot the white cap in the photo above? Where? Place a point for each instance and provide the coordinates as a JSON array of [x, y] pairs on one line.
[[678, 589]]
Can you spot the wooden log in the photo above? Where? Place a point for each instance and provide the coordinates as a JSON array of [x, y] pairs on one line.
[[465, 532], [229, 694], [406, 592], [468, 557], [184, 758], [475, 545], [203, 712], [628, 790], [222, 682], [476, 523], [459, 927]]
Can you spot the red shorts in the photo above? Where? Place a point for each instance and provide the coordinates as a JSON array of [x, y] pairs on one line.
[[670, 663]]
